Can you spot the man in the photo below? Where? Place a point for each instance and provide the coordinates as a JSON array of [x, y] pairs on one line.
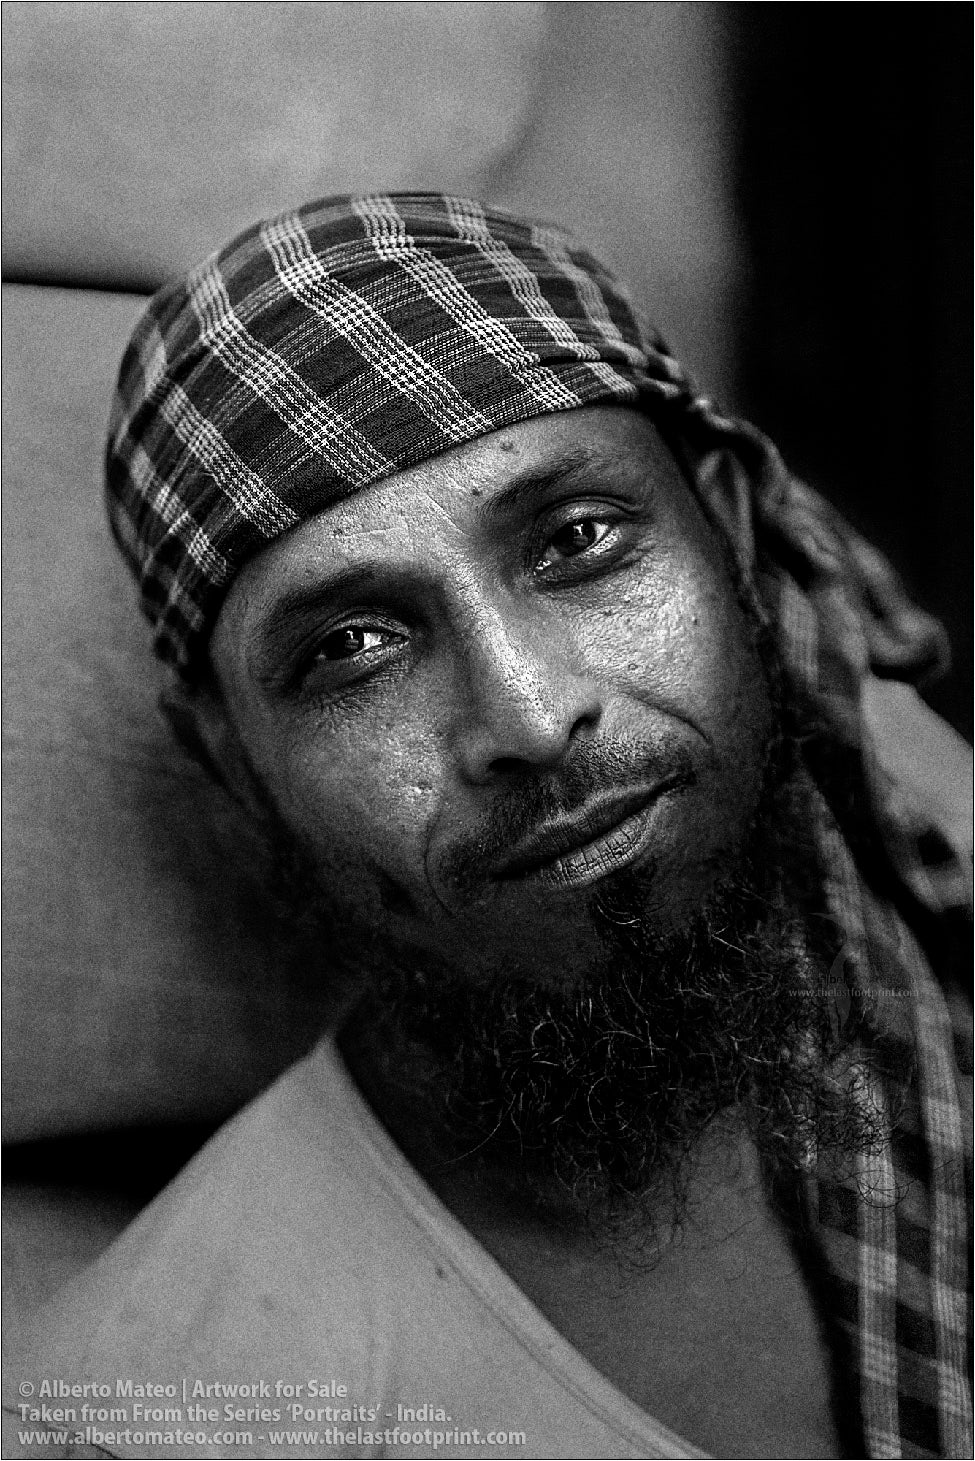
[[557, 696]]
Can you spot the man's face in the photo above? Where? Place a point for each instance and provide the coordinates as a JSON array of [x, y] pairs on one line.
[[479, 690]]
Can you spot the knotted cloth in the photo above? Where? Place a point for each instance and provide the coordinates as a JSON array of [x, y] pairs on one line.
[[345, 341]]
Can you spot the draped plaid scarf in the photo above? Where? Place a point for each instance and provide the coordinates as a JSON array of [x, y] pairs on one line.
[[350, 339]]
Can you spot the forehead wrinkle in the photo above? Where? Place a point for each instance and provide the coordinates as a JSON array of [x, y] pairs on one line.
[[483, 470]]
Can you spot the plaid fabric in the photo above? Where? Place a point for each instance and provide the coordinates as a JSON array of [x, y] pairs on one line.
[[340, 343], [332, 347]]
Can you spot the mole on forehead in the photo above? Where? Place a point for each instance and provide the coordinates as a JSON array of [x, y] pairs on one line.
[[505, 471]]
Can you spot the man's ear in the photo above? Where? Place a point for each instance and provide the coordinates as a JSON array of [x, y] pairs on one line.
[[724, 487], [721, 483], [197, 716]]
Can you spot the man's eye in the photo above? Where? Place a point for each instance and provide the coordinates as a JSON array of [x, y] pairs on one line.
[[572, 539], [350, 640]]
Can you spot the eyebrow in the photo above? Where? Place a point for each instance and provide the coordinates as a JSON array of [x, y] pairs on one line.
[[274, 631], [534, 482]]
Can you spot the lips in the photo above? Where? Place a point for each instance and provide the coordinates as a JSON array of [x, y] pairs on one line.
[[610, 832]]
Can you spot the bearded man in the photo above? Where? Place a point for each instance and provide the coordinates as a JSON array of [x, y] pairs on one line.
[[558, 697]]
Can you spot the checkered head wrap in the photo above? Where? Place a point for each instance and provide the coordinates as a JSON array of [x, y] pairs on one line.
[[329, 348], [338, 344], [341, 343]]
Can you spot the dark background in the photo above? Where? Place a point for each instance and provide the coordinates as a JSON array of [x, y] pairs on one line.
[[854, 163]]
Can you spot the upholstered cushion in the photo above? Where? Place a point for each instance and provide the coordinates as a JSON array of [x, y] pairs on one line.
[[141, 980], [138, 137]]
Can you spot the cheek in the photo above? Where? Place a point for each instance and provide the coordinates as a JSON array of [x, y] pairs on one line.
[[680, 640], [358, 796], [721, 673], [683, 647]]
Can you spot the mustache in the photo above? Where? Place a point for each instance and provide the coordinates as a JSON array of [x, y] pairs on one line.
[[521, 810]]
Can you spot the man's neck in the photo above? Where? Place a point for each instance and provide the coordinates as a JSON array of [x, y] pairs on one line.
[[709, 1327], [402, 1086]]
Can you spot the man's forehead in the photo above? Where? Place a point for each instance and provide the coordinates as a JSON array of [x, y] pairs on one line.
[[487, 481]]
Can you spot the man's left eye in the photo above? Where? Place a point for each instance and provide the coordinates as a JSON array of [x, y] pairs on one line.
[[349, 641], [572, 539]]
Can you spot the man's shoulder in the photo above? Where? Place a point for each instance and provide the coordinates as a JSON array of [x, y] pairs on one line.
[[299, 1290], [268, 1242]]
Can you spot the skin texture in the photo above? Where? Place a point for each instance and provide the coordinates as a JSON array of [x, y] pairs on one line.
[[525, 631], [530, 626]]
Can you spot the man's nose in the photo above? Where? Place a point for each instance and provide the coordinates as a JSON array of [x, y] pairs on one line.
[[524, 695]]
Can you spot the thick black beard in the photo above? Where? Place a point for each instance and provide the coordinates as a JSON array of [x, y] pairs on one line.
[[594, 1100]]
